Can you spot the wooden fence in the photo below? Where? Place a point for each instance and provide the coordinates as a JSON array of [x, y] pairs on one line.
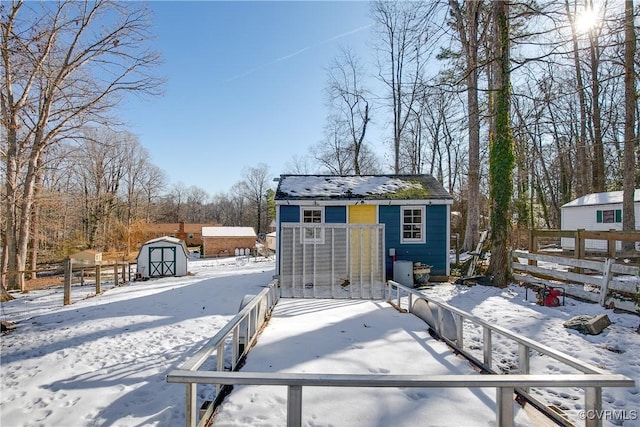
[[121, 272], [580, 237], [610, 283]]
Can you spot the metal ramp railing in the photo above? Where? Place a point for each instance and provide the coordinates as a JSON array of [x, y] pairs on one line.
[[241, 332]]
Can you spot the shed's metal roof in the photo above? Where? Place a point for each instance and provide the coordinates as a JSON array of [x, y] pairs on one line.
[[373, 187], [606, 198]]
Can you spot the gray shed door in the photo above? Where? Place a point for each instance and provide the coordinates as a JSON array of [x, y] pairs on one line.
[[162, 261]]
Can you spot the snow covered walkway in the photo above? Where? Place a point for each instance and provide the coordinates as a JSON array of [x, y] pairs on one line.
[[356, 337]]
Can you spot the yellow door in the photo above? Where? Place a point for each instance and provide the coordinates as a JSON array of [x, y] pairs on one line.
[[362, 242]]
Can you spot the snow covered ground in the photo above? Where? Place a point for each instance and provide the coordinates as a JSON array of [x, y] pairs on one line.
[[103, 360]]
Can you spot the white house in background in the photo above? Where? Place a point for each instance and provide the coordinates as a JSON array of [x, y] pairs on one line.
[[596, 212], [164, 256]]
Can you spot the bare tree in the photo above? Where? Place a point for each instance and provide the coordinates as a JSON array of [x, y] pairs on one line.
[[299, 165], [100, 167], [404, 39], [466, 17], [152, 182], [333, 153], [254, 187], [197, 199], [64, 64], [581, 146], [349, 98]]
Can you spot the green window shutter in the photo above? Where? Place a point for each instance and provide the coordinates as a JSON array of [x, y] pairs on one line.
[[618, 215], [599, 217]]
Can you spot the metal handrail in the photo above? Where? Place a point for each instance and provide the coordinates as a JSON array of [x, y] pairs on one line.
[[592, 379], [593, 395], [505, 385], [247, 323], [520, 339]]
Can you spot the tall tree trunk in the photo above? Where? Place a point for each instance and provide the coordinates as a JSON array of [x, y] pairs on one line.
[[598, 170], [582, 175], [34, 237], [501, 156], [630, 141], [358, 143], [4, 295], [469, 38]]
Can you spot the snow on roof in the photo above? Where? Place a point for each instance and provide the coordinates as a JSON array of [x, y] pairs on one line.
[[228, 232], [606, 198], [168, 239], [165, 239], [360, 186]]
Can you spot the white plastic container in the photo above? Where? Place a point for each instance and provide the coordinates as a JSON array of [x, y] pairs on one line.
[[403, 272]]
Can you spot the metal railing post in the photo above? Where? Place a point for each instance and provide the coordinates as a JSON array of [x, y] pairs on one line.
[[486, 348], [523, 361], [504, 412], [460, 331], [593, 406], [190, 409], [219, 364], [294, 406]]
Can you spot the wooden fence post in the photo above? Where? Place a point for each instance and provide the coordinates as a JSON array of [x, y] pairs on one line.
[[533, 246], [611, 243], [98, 279], [124, 273], [606, 278], [115, 273], [579, 247], [68, 272]]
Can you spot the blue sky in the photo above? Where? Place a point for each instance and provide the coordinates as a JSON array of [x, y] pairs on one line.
[[246, 84]]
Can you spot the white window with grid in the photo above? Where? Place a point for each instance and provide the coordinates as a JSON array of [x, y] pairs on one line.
[[310, 216], [413, 224]]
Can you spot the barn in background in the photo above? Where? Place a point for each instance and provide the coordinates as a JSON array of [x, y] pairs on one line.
[[164, 256]]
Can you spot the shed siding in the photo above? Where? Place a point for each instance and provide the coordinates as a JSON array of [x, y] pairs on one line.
[[437, 239], [290, 213], [335, 214], [433, 252]]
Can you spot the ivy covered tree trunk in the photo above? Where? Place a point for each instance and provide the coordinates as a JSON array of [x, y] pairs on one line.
[[501, 156], [630, 139]]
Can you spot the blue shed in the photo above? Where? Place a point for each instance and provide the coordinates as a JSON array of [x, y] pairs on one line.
[[350, 229]]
